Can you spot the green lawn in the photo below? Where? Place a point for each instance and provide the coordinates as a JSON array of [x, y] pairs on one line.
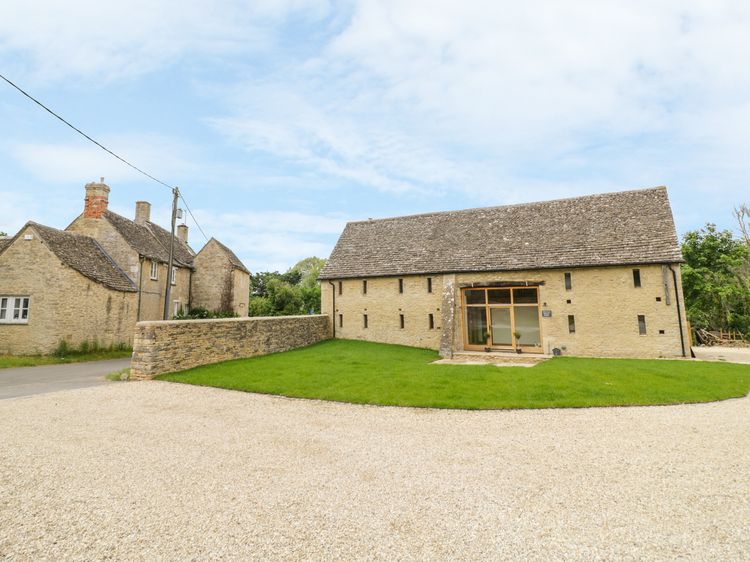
[[371, 373], [7, 361]]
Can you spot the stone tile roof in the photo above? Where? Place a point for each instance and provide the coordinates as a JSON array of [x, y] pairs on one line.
[[86, 256], [150, 240], [629, 227], [4, 243], [233, 259]]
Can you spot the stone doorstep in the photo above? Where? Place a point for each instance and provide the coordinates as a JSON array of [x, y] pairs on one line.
[[497, 359]]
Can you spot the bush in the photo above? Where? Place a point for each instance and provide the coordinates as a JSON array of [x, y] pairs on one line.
[[64, 349], [199, 313]]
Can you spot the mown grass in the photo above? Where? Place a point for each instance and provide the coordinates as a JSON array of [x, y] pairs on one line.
[[371, 373]]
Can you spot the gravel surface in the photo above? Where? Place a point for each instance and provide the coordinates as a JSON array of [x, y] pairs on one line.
[[155, 470]]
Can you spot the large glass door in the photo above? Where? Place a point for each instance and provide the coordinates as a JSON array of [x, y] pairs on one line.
[[502, 318], [502, 328]]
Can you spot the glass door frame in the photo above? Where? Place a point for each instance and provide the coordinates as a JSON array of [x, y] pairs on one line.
[[488, 317]]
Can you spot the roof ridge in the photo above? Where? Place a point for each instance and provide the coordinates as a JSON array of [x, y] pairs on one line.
[[48, 234], [527, 204], [113, 262]]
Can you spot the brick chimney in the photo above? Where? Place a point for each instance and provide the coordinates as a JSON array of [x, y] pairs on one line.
[[182, 232], [97, 199], [142, 212]]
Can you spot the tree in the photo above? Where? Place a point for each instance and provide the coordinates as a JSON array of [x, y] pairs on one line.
[[716, 280], [742, 214], [3, 233], [283, 294], [309, 269]]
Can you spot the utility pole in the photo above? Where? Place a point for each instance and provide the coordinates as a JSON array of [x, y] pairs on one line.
[[168, 292]]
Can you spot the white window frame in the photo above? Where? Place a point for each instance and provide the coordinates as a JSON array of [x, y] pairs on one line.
[[177, 305], [174, 276], [154, 270], [10, 305]]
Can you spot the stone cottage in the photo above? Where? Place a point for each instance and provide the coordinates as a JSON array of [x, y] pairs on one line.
[[138, 253], [221, 282], [589, 276], [57, 285]]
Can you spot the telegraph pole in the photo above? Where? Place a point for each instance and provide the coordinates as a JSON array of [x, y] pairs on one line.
[[168, 292]]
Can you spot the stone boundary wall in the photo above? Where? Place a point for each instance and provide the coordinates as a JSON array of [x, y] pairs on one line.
[[167, 346]]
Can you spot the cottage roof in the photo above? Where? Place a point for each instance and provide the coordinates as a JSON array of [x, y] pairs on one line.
[[4, 243], [85, 255], [629, 227], [233, 259], [150, 240]]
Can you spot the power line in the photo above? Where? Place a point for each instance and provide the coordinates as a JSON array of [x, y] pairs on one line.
[[100, 145], [192, 215]]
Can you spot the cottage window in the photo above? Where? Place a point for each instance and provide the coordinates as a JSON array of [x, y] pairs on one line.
[[571, 324], [636, 278], [400, 285], [364, 321], [364, 286], [174, 276], [401, 320], [341, 287], [429, 284], [642, 324], [431, 321], [14, 310], [568, 281], [154, 269]]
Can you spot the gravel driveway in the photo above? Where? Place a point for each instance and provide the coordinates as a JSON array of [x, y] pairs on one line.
[[158, 470]]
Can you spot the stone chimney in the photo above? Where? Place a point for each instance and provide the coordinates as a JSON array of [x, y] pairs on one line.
[[182, 232], [142, 212], [97, 199]]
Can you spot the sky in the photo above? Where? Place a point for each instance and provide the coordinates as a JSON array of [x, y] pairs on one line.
[[282, 120]]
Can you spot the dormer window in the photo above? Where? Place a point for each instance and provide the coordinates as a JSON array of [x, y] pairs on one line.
[[154, 270]]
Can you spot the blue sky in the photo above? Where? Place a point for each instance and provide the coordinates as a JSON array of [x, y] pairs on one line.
[[282, 120]]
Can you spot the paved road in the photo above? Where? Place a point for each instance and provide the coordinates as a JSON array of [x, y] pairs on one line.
[[728, 354], [25, 381]]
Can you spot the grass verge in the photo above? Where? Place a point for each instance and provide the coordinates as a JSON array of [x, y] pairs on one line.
[[7, 361], [121, 375], [372, 373]]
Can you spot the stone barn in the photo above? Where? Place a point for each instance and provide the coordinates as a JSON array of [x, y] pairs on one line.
[[590, 276]]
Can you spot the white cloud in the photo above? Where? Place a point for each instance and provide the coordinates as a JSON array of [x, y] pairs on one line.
[[101, 41], [506, 100], [270, 240], [73, 162]]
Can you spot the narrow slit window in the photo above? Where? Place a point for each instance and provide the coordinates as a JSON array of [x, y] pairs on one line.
[[571, 324], [174, 276], [429, 284], [642, 324], [341, 287], [364, 321], [431, 321], [341, 320], [568, 281], [154, 269], [364, 286], [400, 285], [401, 320], [636, 278]]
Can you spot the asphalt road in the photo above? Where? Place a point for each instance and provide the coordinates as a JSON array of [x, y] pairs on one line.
[[26, 381]]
